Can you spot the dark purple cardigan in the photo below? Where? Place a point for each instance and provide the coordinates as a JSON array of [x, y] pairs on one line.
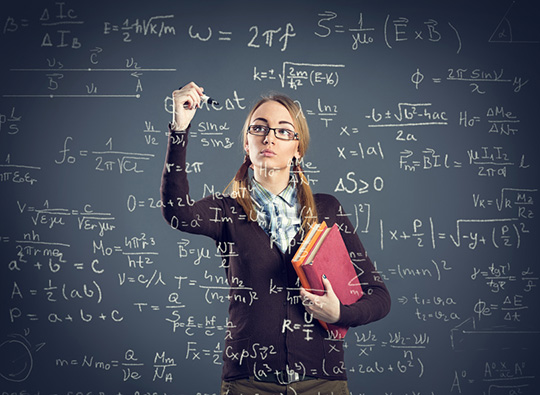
[[270, 329]]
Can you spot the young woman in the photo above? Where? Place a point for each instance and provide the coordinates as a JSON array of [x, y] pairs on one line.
[[275, 343]]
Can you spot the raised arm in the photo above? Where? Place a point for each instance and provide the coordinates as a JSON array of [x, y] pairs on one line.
[[178, 209]]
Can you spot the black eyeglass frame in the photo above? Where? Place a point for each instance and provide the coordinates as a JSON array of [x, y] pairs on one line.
[[268, 129]]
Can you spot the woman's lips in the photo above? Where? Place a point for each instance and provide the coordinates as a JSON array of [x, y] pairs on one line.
[[268, 153]]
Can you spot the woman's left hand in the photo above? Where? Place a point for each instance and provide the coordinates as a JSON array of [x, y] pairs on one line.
[[323, 307]]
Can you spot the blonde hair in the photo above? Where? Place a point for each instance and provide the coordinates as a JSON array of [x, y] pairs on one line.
[[239, 186]]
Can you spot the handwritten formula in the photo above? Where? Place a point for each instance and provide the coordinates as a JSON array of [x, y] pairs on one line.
[[423, 121]]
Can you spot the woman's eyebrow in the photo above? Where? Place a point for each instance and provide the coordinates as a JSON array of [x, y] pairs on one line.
[[260, 119], [266, 121]]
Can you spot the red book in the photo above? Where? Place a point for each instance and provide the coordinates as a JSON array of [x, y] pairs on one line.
[[329, 256], [304, 251]]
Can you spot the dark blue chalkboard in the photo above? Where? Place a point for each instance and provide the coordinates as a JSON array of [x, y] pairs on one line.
[[424, 125]]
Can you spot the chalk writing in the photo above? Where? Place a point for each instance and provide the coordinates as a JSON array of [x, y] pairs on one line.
[[155, 26], [423, 125]]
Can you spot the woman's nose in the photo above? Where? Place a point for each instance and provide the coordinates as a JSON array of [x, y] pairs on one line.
[[270, 137]]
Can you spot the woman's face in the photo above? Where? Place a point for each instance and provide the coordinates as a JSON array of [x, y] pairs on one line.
[[269, 152]]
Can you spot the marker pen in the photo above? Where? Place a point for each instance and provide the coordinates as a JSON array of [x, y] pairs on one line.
[[204, 99], [209, 100]]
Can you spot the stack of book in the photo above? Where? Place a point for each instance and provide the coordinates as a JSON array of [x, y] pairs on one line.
[[323, 252]]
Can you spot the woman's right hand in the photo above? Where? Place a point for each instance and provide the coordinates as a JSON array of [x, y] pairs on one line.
[[186, 100]]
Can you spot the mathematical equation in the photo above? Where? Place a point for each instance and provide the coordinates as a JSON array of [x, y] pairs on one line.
[[487, 161], [476, 79], [511, 376], [502, 277], [57, 17], [295, 75], [396, 30], [470, 232], [106, 161], [398, 99], [130, 367]]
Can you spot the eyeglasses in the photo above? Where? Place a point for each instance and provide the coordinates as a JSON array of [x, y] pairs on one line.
[[280, 133]]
